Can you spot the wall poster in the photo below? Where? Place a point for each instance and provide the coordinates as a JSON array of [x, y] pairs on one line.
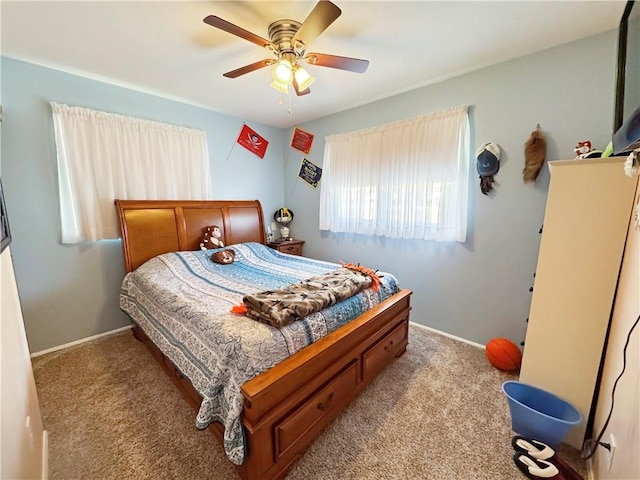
[[301, 140], [310, 173]]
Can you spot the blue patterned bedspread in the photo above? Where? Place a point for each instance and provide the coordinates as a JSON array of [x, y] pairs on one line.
[[182, 302]]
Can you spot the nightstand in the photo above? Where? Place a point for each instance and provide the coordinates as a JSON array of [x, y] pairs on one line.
[[292, 247]]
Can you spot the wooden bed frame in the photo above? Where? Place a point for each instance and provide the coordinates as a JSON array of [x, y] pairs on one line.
[[286, 407]]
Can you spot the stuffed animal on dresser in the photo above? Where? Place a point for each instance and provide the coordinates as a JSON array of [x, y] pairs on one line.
[[212, 238], [583, 149]]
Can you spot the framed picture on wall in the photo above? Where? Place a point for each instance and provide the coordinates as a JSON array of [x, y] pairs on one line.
[[4, 219]]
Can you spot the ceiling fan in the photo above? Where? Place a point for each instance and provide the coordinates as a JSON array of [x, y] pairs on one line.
[[288, 43]]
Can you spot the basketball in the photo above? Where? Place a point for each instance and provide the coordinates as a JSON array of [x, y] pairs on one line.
[[503, 354]]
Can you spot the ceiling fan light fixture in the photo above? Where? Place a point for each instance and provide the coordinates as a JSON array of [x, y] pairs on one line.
[[303, 79], [281, 87], [282, 71], [288, 42]]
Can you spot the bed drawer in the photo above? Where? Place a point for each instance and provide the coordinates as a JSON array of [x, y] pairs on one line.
[[318, 410], [381, 353]]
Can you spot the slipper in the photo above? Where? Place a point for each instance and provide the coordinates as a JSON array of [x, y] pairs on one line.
[[533, 448], [541, 451], [537, 469]]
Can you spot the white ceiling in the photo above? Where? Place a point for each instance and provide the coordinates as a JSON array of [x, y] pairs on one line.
[[166, 49]]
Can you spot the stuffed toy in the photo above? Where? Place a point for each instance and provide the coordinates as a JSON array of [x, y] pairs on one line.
[[583, 149], [224, 257], [535, 151], [212, 238]]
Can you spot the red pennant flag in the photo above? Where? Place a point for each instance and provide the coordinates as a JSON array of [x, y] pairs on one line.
[[252, 141], [301, 140]]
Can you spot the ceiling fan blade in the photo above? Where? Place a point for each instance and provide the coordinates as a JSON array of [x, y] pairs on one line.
[[249, 68], [297, 89], [343, 63], [238, 31], [322, 15]]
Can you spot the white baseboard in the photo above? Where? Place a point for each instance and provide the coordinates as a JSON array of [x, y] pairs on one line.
[[118, 330], [83, 340], [460, 339], [45, 455]]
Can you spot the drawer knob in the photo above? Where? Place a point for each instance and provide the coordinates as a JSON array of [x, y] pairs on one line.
[[327, 403], [389, 346], [289, 248]]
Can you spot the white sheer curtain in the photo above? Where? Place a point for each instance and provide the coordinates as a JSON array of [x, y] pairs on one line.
[[103, 156], [408, 179]]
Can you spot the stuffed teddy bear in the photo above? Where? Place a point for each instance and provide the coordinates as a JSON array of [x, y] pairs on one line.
[[212, 238]]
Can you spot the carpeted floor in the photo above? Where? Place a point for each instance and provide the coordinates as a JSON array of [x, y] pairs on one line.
[[437, 412]]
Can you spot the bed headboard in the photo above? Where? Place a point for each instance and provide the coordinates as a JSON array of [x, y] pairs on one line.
[[152, 227]]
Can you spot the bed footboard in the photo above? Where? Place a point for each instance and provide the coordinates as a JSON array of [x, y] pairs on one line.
[[288, 406]]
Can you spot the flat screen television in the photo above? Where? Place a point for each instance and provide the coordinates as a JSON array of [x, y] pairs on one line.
[[626, 125]]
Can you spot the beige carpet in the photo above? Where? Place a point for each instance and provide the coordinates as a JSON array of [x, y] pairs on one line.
[[436, 413]]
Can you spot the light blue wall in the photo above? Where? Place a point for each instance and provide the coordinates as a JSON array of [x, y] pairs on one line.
[[71, 292], [476, 290], [480, 289]]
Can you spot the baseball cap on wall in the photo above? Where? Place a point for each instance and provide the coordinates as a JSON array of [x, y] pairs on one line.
[[488, 159]]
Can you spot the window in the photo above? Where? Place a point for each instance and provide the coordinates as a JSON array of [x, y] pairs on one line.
[[408, 179], [103, 156]]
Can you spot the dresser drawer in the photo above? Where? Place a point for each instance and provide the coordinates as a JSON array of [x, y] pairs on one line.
[[382, 352], [291, 249], [317, 411]]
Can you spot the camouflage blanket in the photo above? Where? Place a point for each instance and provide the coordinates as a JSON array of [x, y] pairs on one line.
[[281, 307]]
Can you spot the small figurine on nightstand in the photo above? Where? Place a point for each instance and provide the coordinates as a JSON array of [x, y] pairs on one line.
[[284, 216]]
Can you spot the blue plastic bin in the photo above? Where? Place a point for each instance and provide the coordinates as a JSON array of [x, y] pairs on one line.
[[538, 414]]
